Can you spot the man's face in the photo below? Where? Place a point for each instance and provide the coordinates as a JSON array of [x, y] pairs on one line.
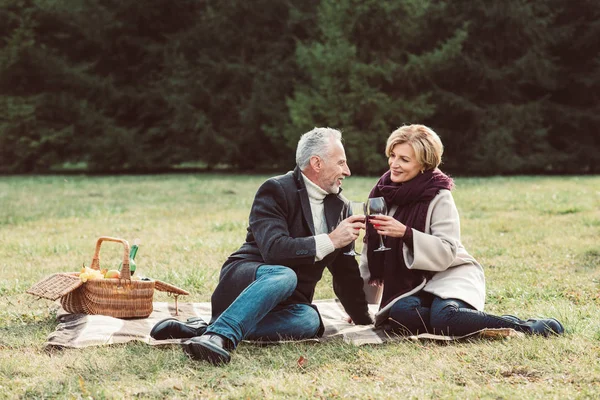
[[333, 169]]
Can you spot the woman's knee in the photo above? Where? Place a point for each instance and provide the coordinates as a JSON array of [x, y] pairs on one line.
[[444, 313], [409, 316], [406, 307]]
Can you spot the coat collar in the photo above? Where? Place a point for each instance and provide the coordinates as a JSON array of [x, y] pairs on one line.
[[332, 204]]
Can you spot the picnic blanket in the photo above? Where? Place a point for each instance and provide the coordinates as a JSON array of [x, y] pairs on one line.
[[81, 330]]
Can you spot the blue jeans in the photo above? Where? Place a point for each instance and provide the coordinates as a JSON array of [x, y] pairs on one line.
[[251, 315], [424, 312]]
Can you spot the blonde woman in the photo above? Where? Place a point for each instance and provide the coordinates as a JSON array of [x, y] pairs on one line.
[[429, 282]]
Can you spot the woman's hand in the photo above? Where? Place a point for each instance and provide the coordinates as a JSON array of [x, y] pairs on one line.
[[387, 226], [376, 282]]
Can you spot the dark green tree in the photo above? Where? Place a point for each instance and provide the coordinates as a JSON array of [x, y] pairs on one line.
[[231, 74], [491, 99], [573, 111], [78, 79], [367, 73], [511, 86], [29, 140]]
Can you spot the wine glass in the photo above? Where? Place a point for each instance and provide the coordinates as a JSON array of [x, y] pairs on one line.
[[354, 208], [377, 206]]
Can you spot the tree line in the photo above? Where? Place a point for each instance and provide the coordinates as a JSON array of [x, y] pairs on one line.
[[511, 86]]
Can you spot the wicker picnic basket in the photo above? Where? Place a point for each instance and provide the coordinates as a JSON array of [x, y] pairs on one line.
[[121, 298]]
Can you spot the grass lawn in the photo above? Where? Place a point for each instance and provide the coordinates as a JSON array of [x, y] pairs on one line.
[[538, 239]]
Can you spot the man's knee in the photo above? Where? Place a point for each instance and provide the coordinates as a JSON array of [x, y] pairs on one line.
[[308, 318], [309, 313], [315, 324], [283, 277]]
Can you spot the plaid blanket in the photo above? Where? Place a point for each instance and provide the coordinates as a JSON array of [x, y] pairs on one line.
[[81, 330]]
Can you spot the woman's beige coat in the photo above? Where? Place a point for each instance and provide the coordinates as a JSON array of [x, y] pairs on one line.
[[438, 249]]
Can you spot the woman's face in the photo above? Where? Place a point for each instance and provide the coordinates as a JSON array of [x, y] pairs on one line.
[[403, 163]]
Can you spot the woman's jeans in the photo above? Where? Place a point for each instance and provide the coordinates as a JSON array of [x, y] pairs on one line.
[[425, 312], [251, 315]]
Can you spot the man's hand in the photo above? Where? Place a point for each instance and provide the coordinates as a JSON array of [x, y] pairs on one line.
[[347, 231], [350, 321]]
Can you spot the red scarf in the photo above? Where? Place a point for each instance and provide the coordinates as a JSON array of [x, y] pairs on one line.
[[412, 198]]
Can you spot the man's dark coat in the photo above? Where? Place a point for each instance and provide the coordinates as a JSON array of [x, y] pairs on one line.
[[281, 232]]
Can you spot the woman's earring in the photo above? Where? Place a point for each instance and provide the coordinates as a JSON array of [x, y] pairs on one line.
[[422, 170]]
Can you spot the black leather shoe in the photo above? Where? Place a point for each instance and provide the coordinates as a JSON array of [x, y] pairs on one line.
[[544, 327], [513, 319], [209, 347], [172, 328]]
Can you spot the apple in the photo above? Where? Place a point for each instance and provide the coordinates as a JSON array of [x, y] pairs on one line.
[[112, 274]]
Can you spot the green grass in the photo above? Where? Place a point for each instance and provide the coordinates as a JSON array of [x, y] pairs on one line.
[[538, 239]]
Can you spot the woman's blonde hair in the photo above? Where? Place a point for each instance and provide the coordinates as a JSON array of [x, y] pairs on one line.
[[425, 142]]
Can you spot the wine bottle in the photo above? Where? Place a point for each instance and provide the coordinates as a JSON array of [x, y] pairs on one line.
[[132, 253]]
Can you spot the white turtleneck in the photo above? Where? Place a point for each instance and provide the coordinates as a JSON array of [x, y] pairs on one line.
[[316, 195]]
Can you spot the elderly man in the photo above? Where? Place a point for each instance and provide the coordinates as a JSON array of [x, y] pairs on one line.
[[266, 287]]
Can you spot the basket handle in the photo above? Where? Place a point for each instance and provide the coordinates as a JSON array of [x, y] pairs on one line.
[[125, 272]]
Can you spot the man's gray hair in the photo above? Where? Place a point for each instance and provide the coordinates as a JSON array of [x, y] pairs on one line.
[[315, 143]]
